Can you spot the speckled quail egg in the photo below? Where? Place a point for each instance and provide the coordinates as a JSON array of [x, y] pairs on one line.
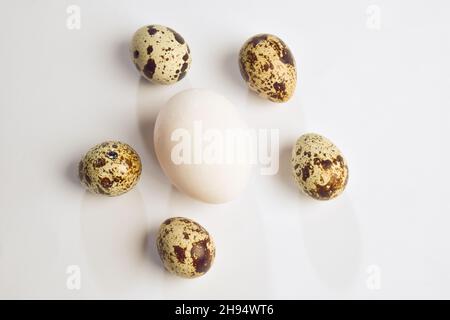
[[160, 54], [268, 67], [110, 168], [319, 168], [185, 247]]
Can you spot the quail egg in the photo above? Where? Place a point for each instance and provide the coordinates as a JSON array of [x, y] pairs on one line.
[[319, 168], [160, 54], [185, 247], [110, 168], [268, 67]]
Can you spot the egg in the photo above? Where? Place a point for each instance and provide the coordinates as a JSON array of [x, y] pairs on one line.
[[185, 247], [201, 144], [160, 54], [268, 67], [319, 168], [110, 168]]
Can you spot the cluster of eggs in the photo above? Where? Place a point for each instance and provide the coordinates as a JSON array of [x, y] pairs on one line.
[[268, 67]]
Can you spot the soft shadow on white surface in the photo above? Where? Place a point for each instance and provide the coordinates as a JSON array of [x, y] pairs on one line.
[[150, 98], [285, 175], [112, 231], [149, 247], [149, 101], [231, 69], [124, 60], [332, 240], [72, 172]]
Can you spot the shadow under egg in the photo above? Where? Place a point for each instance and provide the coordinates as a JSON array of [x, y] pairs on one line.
[[112, 229], [124, 59], [332, 240], [286, 175], [231, 68], [150, 98], [71, 172], [149, 248]]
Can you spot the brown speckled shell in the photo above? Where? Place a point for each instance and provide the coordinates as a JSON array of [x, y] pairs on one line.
[[160, 54], [319, 168], [185, 247], [110, 168], [268, 67]]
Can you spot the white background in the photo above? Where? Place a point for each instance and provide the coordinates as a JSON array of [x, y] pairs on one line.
[[381, 94]]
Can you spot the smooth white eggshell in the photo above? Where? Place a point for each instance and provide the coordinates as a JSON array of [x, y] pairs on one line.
[[208, 182]]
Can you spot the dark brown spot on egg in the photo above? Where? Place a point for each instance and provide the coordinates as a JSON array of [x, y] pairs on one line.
[[112, 155], [277, 95], [177, 36], [339, 160], [136, 54], [149, 68], [186, 57], [326, 164], [100, 162], [180, 253], [328, 191], [323, 192], [152, 30], [106, 183], [184, 67], [287, 57], [257, 39], [187, 221], [279, 86], [186, 235], [251, 59], [201, 256], [306, 171], [181, 75], [149, 49]]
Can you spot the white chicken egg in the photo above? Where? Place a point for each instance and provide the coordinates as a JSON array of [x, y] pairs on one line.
[[202, 145]]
